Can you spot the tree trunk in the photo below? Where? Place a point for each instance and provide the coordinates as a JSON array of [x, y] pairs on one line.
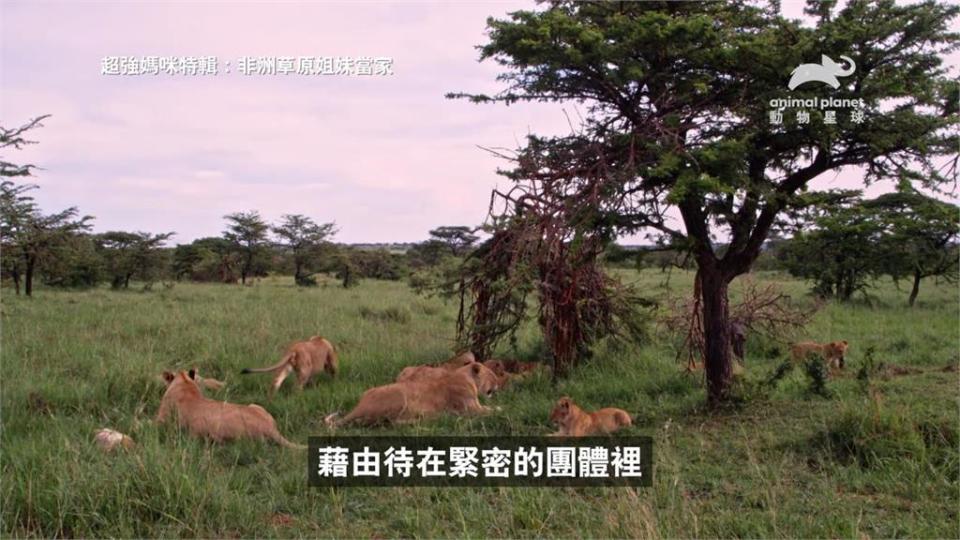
[[16, 281], [28, 278], [916, 287], [716, 333], [297, 271]]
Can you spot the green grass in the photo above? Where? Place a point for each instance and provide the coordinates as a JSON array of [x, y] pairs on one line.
[[879, 458]]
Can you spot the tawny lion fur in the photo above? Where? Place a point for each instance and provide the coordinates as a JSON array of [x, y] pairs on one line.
[[215, 420], [425, 396], [575, 422], [833, 353], [458, 361], [514, 368], [489, 380], [306, 359]]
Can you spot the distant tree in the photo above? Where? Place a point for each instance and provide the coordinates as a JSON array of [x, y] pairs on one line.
[[457, 239], [305, 240], [378, 264], [21, 224], [346, 270], [29, 236], [75, 262], [16, 210], [220, 262], [920, 236], [428, 254], [841, 255], [129, 254], [247, 234], [186, 258]]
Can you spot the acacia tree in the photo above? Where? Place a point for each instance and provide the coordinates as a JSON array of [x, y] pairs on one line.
[[219, 251], [128, 254], [920, 238], [305, 239], [458, 239], [247, 234], [28, 235], [684, 89], [15, 138], [841, 251]]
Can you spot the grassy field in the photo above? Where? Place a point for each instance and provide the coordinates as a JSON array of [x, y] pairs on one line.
[[877, 459]]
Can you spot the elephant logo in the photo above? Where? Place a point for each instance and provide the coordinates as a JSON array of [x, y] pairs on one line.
[[826, 72]]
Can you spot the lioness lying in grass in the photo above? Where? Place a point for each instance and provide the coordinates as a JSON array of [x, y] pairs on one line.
[[491, 381], [421, 396], [215, 420]]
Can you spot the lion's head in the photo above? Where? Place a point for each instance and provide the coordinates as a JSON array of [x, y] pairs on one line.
[[486, 380], [836, 349], [189, 377], [561, 411]]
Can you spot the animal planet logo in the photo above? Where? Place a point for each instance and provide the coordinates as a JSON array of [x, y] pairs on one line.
[[826, 72]]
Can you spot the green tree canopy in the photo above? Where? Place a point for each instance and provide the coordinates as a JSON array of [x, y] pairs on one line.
[[921, 236], [458, 239], [247, 234], [305, 240], [132, 254]]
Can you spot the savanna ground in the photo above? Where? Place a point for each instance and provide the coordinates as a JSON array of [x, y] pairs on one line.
[[879, 458]]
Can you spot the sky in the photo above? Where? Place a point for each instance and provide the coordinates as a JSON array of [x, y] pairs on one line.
[[386, 157]]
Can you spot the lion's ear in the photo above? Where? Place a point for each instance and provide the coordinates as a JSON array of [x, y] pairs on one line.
[[193, 373], [168, 377]]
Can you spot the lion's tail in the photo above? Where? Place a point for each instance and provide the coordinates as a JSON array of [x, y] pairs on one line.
[[283, 362], [332, 362], [281, 440]]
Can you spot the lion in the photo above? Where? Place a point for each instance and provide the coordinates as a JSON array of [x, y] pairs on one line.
[[833, 353], [215, 420], [306, 358], [488, 381], [575, 422], [424, 396]]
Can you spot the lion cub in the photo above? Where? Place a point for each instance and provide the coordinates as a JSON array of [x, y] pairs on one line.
[[575, 422], [215, 420], [306, 358], [832, 352]]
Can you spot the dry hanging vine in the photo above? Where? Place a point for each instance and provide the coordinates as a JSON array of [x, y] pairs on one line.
[[762, 310], [548, 232]]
